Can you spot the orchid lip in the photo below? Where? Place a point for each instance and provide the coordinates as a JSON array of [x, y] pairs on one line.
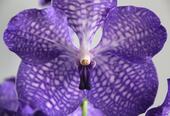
[[85, 75]]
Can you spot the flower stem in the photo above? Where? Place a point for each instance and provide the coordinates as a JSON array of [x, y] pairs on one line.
[[84, 107]]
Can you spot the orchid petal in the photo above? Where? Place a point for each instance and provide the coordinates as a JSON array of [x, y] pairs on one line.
[[128, 80], [52, 87], [164, 109], [41, 38], [85, 16], [39, 35], [121, 87], [132, 32]]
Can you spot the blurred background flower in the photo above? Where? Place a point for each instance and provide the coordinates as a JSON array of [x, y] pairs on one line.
[[8, 97], [164, 109], [44, 2]]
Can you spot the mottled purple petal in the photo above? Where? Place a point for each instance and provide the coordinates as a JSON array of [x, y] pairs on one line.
[[38, 35], [48, 78], [85, 16], [133, 32], [52, 87], [121, 87], [8, 96], [164, 109]]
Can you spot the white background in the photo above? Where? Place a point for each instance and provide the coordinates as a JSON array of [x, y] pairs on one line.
[[9, 62]]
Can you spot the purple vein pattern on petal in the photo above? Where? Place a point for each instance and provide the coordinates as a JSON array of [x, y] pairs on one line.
[[8, 96], [38, 35], [164, 109], [52, 87], [48, 78], [124, 80], [133, 32], [85, 16], [121, 87]]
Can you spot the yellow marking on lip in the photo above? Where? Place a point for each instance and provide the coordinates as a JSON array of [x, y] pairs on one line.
[[85, 62]]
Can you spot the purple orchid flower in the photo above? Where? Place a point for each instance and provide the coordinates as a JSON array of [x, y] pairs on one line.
[[8, 98], [117, 76], [9, 104], [164, 109]]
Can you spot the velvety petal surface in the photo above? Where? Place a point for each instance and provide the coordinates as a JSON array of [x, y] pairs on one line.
[[164, 109], [38, 35], [52, 87], [132, 32], [121, 87], [85, 16], [8, 97]]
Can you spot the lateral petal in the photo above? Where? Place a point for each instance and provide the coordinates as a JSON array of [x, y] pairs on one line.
[[39, 35], [132, 32]]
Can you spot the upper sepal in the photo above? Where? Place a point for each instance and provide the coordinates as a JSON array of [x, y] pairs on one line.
[[85, 16]]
